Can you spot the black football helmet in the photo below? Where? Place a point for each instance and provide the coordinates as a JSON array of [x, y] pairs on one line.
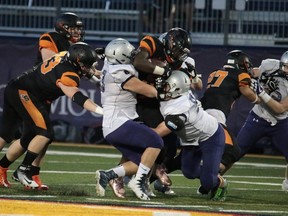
[[177, 43], [239, 60], [69, 20], [83, 57]]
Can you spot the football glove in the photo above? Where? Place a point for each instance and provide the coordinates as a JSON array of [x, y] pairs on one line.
[[100, 53], [167, 72], [256, 86], [159, 85]]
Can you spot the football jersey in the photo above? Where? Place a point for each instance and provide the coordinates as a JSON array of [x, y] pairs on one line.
[[199, 125], [52, 41], [223, 89], [156, 51], [43, 80], [119, 105], [276, 85]]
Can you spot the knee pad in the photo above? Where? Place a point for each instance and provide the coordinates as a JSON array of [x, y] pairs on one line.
[[230, 155]]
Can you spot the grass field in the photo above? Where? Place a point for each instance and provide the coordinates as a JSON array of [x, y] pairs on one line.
[[254, 184]]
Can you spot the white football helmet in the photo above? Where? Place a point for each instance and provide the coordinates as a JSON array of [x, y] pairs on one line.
[[284, 64], [177, 84], [119, 51]]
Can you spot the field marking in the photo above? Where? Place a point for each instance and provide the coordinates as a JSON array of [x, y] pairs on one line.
[[189, 206], [21, 207]]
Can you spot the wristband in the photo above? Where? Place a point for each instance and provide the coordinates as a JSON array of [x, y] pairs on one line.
[[79, 98], [158, 70], [264, 97], [256, 99], [99, 110]]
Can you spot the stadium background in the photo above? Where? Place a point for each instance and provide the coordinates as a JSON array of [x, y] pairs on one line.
[[217, 26]]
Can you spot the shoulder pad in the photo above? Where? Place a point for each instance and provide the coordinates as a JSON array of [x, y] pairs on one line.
[[175, 122]]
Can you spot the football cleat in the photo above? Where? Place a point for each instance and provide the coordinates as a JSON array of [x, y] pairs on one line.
[[161, 174], [220, 193], [148, 189], [25, 177], [138, 187], [285, 185], [202, 192], [3, 178], [117, 186], [102, 178], [36, 178], [158, 186]]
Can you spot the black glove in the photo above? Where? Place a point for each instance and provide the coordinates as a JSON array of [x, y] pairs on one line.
[[100, 53], [159, 85], [190, 70], [167, 72]]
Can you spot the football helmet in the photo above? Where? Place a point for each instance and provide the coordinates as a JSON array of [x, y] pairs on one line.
[[177, 84], [119, 51], [68, 22], [177, 43], [284, 64], [83, 57], [239, 60]]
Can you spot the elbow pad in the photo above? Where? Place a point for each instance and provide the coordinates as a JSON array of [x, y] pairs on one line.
[[175, 122]]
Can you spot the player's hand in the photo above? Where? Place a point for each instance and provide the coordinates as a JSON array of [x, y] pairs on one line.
[[100, 53], [190, 70], [159, 85], [256, 86], [167, 72]]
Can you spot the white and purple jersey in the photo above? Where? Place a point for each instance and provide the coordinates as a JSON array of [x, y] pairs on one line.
[[276, 86], [199, 125], [119, 105]]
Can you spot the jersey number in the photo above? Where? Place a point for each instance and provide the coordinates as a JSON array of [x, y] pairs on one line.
[[48, 65], [216, 78]]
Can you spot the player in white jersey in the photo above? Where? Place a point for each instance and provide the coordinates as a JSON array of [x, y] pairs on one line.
[[138, 143], [201, 135], [269, 118]]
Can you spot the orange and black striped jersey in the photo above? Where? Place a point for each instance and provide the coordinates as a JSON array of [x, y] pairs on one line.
[[43, 80], [156, 50], [223, 89], [52, 41]]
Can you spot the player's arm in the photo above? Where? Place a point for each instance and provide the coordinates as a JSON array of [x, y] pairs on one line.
[[278, 107], [141, 62], [249, 94], [47, 53], [275, 106], [162, 130], [139, 87], [73, 93]]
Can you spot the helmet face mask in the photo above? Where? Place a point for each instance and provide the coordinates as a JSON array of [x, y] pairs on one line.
[[119, 51], [177, 43], [177, 84], [70, 26], [284, 64], [83, 57]]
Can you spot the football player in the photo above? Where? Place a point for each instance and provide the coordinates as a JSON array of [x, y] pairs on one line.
[[69, 29], [27, 99], [138, 143], [270, 117], [201, 134], [172, 48]]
